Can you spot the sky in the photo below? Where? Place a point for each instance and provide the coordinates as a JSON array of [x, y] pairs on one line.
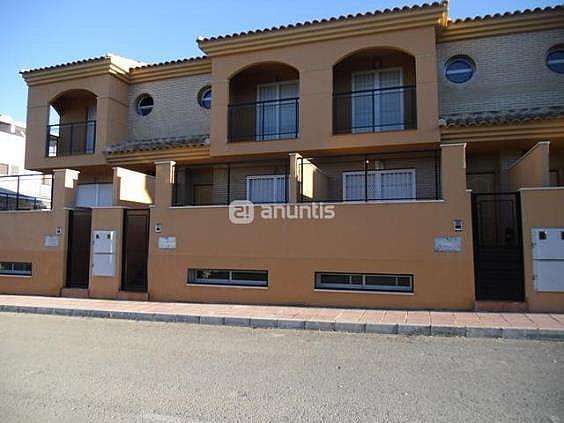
[[48, 32]]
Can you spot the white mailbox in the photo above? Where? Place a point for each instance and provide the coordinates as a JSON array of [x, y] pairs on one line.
[[548, 259], [104, 253]]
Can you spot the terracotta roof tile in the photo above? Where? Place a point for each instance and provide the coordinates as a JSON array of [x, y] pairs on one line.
[[76, 62], [500, 117], [172, 62], [507, 14], [149, 144], [320, 21]]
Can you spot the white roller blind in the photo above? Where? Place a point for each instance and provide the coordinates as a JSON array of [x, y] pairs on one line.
[[94, 195], [275, 118]]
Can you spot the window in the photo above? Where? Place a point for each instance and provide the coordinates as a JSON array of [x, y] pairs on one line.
[[94, 195], [392, 184], [459, 69], [364, 282], [377, 101], [228, 277], [205, 97], [144, 104], [15, 268], [277, 110], [555, 59], [266, 189], [4, 168]]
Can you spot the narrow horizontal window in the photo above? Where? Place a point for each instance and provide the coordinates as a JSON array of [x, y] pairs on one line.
[[364, 282], [228, 277], [15, 268]]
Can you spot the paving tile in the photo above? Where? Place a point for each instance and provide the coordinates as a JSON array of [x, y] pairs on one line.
[[545, 321]]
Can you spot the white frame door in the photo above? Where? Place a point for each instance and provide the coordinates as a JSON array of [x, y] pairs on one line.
[[376, 97], [276, 108]]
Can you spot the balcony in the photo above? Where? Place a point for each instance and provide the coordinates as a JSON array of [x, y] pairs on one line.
[[71, 138], [264, 120], [221, 183], [391, 176], [375, 110]]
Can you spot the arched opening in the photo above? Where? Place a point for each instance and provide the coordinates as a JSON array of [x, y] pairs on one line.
[[374, 90], [72, 124], [264, 103]]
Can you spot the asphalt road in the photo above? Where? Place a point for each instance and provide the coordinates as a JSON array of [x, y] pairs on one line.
[[58, 369]]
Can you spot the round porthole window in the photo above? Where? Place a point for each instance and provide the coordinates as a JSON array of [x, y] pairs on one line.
[[459, 69], [555, 59], [205, 97], [144, 104]]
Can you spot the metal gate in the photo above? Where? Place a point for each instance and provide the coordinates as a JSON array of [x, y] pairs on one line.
[[78, 249], [498, 246], [135, 250]]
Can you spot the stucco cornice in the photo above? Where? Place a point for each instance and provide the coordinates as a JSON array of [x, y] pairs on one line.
[[540, 20], [367, 24], [85, 69]]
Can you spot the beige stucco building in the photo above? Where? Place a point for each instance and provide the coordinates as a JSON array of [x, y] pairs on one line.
[[388, 159]]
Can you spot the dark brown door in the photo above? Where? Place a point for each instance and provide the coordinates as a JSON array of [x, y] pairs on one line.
[[135, 250], [78, 249], [498, 247]]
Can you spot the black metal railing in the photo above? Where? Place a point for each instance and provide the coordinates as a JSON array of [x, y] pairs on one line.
[[26, 192], [384, 109], [264, 120], [222, 183], [390, 176], [71, 138]]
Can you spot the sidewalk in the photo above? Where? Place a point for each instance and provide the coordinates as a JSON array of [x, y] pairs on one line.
[[493, 325]]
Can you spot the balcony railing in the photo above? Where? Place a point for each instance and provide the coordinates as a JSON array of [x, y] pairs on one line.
[[71, 138], [26, 192], [384, 109], [264, 120]]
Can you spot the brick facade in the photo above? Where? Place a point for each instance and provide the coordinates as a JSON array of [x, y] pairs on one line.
[[511, 73], [176, 111]]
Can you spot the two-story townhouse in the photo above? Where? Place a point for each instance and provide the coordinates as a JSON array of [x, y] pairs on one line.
[[410, 159]]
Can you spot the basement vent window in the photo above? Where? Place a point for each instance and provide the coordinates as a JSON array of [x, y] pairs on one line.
[[15, 268], [364, 282], [228, 277], [459, 69], [555, 59], [144, 104]]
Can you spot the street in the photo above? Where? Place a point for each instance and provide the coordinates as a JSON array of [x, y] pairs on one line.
[[58, 369]]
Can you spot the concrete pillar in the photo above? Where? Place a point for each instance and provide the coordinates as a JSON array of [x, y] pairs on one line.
[[164, 181], [294, 178], [64, 187], [453, 170]]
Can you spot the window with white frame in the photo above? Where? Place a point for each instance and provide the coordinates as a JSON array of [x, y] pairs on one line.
[[389, 184], [15, 268], [94, 195], [377, 101], [277, 110], [266, 188], [228, 277], [364, 281]]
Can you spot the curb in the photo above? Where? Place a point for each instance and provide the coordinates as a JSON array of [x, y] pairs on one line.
[[321, 325]]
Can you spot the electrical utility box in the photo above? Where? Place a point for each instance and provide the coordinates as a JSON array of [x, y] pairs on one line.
[[104, 253], [548, 259]]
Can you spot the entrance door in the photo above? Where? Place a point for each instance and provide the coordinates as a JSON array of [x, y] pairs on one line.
[[135, 250], [78, 249], [498, 247]]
